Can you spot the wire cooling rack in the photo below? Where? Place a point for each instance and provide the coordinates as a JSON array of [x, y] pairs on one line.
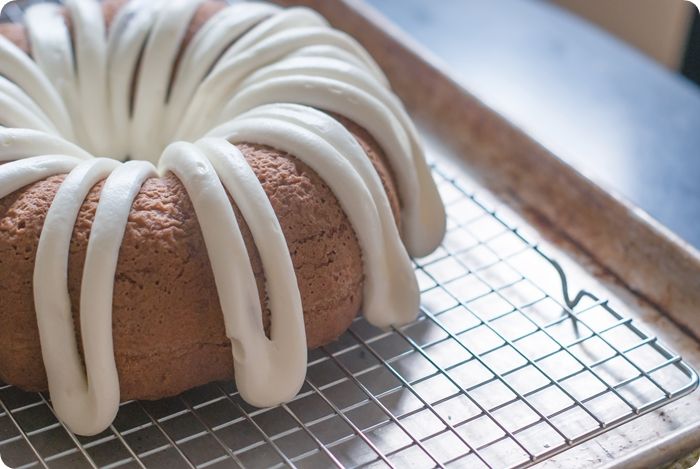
[[502, 369]]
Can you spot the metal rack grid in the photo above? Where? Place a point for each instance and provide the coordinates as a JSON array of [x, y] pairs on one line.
[[502, 369]]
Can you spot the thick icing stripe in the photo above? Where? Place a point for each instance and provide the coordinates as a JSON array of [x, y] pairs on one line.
[[295, 65], [205, 50], [74, 403], [15, 114], [17, 174], [91, 58], [129, 31], [221, 234], [267, 372], [300, 18], [16, 144], [247, 192], [97, 290], [331, 52], [51, 46], [24, 103], [349, 101], [430, 213], [221, 83], [296, 17], [345, 143], [336, 69], [159, 56], [17, 67], [423, 216], [403, 281], [52, 50], [388, 294], [277, 376]]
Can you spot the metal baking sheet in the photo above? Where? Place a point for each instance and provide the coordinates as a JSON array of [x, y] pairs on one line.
[[520, 355], [507, 365]]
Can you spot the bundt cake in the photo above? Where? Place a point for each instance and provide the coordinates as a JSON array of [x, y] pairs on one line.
[[193, 191]]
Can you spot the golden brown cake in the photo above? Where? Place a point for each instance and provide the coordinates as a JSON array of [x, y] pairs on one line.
[[169, 330]]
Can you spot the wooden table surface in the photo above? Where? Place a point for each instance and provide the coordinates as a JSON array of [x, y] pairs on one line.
[[618, 117]]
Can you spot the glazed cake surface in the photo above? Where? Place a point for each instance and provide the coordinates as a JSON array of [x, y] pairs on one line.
[[260, 178]]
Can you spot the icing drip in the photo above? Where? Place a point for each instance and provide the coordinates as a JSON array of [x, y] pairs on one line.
[[254, 73], [20, 69], [390, 288], [87, 404], [267, 371], [159, 56], [19, 110]]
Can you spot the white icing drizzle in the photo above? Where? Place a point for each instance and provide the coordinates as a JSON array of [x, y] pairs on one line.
[[267, 371], [20, 69], [390, 287], [17, 174], [365, 109], [53, 52], [127, 37], [16, 144], [17, 115], [207, 46], [91, 58], [20, 111], [87, 404], [220, 85], [253, 73], [157, 63]]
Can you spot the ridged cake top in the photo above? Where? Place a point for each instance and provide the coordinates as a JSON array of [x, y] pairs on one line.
[[254, 73]]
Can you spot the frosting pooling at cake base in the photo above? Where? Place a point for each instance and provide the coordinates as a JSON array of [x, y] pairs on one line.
[[252, 74]]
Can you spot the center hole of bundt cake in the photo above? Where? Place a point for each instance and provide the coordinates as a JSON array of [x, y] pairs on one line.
[[152, 156]]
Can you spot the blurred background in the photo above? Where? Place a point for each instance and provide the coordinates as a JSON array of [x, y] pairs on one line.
[[612, 87], [666, 30]]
